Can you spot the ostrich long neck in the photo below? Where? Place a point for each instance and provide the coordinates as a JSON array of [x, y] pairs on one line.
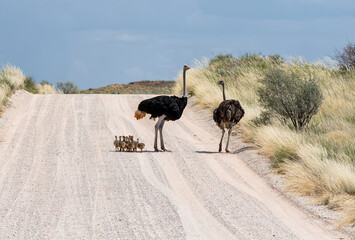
[[224, 94], [184, 80]]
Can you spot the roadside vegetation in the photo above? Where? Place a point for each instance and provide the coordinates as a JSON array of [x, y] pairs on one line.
[[300, 114], [12, 78], [67, 87]]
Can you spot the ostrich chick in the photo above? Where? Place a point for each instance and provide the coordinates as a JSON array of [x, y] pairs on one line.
[[140, 145], [115, 143], [121, 144], [130, 145], [135, 144], [125, 140]]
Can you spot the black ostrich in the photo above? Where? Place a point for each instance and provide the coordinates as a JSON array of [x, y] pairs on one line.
[[167, 108], [228, 114]]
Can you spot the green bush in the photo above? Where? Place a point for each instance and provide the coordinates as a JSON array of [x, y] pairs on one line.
[[44, 82], [67, 87], [263, 119], [30, 85], [290, 96]]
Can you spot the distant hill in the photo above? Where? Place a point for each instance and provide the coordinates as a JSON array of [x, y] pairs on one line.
[[142, 87]]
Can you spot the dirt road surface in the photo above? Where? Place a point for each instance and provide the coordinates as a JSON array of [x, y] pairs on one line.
[[60, 178]]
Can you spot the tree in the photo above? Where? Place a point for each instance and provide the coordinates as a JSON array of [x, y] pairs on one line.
[[346, 58], [290, 96], [67, 87], [44, 82]]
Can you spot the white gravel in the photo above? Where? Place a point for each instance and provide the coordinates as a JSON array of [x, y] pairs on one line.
[[61, 179]]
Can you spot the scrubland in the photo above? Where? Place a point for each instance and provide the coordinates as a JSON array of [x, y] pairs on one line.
[[318, 161]]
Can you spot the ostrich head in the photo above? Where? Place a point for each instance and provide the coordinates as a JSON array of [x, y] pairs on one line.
[[221, 82], [186, 67]]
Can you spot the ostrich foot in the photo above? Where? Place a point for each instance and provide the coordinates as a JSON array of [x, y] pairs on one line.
[[165, 150], [227, 151], [156, 150]]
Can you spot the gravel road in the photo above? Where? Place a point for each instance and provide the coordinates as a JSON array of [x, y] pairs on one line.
[[60, 177]]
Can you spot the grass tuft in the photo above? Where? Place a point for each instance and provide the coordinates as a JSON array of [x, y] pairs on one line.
[[46, 89]]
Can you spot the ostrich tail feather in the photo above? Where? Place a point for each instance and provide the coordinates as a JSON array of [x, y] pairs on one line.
[[139, 114]]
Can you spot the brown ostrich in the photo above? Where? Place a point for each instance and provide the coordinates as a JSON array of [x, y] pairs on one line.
[[228, 114]]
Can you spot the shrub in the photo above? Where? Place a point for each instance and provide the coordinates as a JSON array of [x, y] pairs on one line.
[[263, 119], [346, 58], [44, 82], [67, 87], [30, 85], [290, 96]]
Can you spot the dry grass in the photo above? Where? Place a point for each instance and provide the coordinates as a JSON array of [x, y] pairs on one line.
[[11, 79], [3, 93], [319, 161], [335, 176], [46, 89]]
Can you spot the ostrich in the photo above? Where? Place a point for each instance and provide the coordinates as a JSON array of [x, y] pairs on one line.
[[228, 114], [167, 108]]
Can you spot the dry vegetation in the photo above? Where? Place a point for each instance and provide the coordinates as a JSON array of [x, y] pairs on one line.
[[318, 161], [46, 89], [11, 79]]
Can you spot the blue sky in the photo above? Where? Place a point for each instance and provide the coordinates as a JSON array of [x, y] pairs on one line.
[[96, 43]]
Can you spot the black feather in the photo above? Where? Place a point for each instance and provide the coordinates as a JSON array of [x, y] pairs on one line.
[[170, 106]]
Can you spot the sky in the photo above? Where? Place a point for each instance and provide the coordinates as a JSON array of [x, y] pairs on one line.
[[97, 43]]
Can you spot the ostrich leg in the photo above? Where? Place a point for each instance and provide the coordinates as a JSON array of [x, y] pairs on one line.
[[157, 126], [220, 143], [229, 134], [161, 137]]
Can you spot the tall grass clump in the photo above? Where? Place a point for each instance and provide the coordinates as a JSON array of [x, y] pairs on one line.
[[318, 161], [46, 88], [11, 79]]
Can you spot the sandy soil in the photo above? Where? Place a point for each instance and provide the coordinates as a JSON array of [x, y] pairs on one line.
[[60, 178]]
